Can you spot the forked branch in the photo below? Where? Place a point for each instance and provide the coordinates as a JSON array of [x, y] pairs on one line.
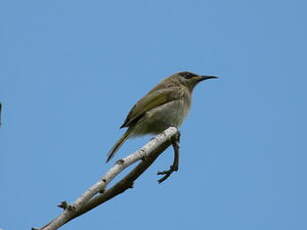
[[98, 193]]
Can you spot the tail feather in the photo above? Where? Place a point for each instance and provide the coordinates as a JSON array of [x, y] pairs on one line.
[[117, 145]]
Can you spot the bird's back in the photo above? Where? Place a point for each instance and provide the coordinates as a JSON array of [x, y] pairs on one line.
[[166, 91]]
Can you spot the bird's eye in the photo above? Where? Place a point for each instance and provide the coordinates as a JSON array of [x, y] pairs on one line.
[[187, 75]]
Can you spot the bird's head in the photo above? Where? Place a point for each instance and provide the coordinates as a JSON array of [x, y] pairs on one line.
[[190, 80]]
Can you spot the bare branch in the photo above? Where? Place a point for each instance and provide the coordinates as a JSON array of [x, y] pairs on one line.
[[174, 167], [93, 196]]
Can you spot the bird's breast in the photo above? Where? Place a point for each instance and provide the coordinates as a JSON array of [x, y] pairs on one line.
[[164, 116]]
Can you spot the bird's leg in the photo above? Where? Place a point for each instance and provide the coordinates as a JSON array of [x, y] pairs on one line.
[[174, 167]]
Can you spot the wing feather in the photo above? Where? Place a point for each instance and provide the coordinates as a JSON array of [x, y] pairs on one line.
[[153, 99]]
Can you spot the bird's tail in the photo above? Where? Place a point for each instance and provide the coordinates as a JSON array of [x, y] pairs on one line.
[[117, 145]]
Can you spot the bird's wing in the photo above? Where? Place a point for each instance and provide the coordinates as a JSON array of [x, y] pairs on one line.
[[150, 101]]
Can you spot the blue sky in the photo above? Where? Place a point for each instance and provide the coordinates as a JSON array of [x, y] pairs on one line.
[[71, 70]]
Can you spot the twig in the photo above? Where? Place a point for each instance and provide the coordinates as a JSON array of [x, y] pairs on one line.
[[174, 167], [148, 153]]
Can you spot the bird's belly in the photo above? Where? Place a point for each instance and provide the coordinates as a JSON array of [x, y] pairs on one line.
[[158, 119]]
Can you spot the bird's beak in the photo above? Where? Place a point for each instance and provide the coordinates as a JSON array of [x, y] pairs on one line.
[[204, 77]]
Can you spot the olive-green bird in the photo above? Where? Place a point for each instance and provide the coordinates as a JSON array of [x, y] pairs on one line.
[[164, 106]]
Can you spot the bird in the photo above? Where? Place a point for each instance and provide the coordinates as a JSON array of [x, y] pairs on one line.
[[166, 105]]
